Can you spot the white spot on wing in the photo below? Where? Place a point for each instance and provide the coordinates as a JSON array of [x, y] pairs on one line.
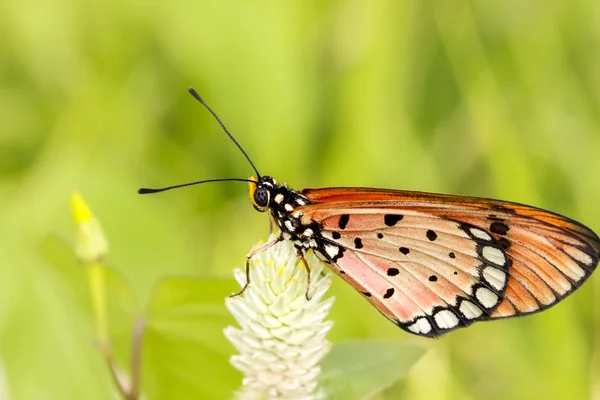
[[486, 297], [445, 319], [297, 214], [478, 233], [279, 198], [288, 207], [470, 310], [289, 226], [495, 277], [300, 201], [331, 250], [421, 325], [494, 255], [308, 232]]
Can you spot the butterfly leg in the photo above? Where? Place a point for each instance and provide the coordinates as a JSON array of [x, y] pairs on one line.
[[270, 226], [254, 252], [300, 255]]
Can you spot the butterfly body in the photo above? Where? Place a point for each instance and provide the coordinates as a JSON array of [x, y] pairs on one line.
[[432, 263], [284, 206]]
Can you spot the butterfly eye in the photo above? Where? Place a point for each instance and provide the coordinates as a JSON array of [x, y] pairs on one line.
[[261, 197]]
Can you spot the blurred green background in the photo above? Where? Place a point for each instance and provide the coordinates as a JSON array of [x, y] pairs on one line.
[[494, 99]]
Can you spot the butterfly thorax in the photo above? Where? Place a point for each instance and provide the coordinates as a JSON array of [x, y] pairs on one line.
[[283, 205]]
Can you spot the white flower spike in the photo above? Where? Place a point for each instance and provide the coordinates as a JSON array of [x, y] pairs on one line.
[[282, 335]]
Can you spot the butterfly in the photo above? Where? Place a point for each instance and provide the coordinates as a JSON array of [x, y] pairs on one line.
[[430, 263]]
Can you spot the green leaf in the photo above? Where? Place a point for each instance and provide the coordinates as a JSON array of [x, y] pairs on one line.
[[186, 354], [73, 276], [68, 324], [362, 368]]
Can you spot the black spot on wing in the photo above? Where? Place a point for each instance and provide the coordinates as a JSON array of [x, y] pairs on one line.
[[336, 235], [504, 242], [392, 219], [393, 271], [503, 209], [358, 243], [404, 250], [431, 235], [344, 221], [389, 293], [499, 228]]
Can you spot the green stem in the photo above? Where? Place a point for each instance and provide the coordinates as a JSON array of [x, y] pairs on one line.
[[97, 288], [136, 355]]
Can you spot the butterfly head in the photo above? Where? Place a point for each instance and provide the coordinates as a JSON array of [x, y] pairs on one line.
[[261, 192]]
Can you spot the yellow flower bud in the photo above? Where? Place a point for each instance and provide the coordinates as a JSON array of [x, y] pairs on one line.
[[91, 244]]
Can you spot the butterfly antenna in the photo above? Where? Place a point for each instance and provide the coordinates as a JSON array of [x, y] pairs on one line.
[[150, 191], [214, 114]]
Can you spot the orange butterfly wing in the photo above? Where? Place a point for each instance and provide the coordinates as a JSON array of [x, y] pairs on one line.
[[433, 262]]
